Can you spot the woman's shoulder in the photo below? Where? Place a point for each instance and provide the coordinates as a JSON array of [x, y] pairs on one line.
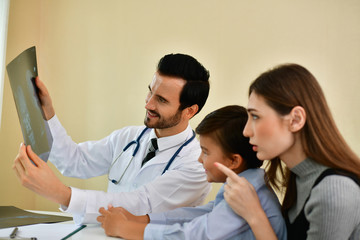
[[337, 191], [332, 208]]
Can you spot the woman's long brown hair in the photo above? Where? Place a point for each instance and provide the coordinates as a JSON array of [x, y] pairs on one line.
[[290, 85]]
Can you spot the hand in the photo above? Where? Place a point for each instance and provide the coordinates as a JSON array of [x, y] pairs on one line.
[[39, 178], [45, 99], [129, 216], [243, 199], [116, 224], [112, 221], [240, 194]]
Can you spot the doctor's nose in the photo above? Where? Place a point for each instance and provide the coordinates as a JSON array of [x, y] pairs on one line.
[[149, 103]]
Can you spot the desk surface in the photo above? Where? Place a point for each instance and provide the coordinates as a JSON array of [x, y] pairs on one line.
[[91, 232]]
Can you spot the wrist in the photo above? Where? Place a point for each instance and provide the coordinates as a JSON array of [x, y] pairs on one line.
[[64, 196], [255, 216], [145, 219], [49, 114]]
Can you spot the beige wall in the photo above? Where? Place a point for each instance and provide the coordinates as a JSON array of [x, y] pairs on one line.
[[97, 58]]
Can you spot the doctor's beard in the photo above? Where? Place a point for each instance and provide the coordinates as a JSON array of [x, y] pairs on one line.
[[161, 122]]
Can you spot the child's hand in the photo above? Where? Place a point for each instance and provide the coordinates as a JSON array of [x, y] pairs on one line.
[[112, 221], [118, 222], [129, 216]]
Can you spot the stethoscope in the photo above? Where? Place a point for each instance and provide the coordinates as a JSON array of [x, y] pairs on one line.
[[137, 142]]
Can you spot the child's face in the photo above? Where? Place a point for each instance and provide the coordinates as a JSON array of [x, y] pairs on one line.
[[211, 152]]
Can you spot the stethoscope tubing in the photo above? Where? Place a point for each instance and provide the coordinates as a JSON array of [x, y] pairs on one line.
[[137, 142]]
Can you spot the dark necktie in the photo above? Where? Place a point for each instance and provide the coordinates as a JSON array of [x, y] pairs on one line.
[[151, 152]]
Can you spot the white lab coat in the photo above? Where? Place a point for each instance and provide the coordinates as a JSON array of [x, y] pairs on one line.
[[142, 190]]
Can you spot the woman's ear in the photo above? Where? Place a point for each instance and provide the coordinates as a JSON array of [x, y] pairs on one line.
[[298, 118]]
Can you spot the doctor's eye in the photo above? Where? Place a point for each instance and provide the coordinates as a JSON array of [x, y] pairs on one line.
[[162, 100]]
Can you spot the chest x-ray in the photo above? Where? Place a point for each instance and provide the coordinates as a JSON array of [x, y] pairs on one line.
[[22, 72]]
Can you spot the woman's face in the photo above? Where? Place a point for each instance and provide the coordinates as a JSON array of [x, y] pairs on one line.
[[269, 132]]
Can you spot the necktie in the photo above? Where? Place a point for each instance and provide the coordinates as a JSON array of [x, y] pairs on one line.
[[151, 152]]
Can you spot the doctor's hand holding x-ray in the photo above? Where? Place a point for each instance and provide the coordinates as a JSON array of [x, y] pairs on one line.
[[172, 178], [38, 177]]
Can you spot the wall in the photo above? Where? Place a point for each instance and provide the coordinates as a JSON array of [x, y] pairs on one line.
[[97, 58]]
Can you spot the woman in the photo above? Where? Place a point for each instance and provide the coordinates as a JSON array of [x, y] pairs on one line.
[[290, 122], [221, 140]]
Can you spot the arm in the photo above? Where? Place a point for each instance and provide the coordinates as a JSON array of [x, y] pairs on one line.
[[83, 160], [220, 223], [38, 177], [116, 224], [119, 222], [175, 188], [128, 215], [70, 158], [243, 199], [180, 215]]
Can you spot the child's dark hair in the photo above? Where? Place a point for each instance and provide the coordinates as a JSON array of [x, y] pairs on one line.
[[225, 126]]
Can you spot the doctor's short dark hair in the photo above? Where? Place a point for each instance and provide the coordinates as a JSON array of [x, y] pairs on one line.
[[196, 89], [225, 126]]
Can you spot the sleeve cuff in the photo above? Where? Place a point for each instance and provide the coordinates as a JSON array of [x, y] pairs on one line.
[[154, 231], [157, 218], [77, 205], [54, 124]]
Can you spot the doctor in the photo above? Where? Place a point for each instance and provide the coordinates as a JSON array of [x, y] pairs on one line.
[[172, 178]]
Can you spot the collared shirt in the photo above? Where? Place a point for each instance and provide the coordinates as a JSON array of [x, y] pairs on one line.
[[142, 190], [216, 220]]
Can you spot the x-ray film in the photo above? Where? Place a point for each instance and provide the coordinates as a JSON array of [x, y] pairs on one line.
[[22, 72]]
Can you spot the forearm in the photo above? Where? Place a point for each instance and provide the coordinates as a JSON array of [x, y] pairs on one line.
[[133, 230], [261, 227], [62, 195], [138, 219]]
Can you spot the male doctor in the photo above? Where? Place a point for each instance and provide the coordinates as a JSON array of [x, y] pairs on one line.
[[178, 91]]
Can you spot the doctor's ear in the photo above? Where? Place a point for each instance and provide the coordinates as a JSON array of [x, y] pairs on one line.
[[297, 118], [191, 111]]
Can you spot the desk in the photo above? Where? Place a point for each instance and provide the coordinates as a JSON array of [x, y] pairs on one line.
[[91, 232]]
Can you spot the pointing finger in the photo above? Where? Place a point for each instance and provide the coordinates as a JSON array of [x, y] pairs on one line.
[[228, 172]]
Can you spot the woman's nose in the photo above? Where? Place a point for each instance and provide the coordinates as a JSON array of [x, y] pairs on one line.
[[247, 130]]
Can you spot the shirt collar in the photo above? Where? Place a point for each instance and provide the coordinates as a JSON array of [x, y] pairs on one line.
[[307, 167], [165, 143]]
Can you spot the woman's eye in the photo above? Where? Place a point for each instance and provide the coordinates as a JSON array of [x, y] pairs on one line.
[[254, 117]]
